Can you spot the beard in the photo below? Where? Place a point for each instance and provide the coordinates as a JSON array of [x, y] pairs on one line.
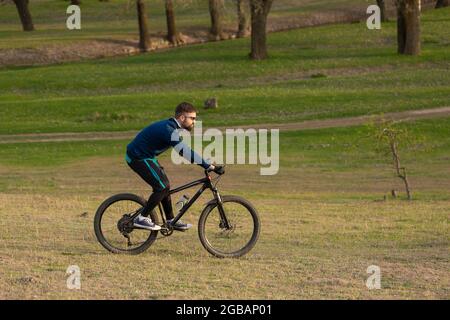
[[189, 128]]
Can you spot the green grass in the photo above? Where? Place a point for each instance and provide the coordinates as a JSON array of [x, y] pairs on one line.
[[354, 147], [334, 148], [335, 155], [364, 75]]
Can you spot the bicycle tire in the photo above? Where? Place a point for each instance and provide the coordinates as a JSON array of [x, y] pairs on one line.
[[206, 213], [98, 228]]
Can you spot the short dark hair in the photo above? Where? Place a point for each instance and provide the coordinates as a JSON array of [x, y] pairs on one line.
[[184, 107]]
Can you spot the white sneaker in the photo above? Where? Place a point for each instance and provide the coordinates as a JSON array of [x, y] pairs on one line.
[[145, 223]]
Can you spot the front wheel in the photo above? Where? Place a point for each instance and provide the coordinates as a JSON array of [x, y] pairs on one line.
[[234, 240]]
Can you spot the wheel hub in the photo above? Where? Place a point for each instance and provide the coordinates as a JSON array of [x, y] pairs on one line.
[[125, 224]]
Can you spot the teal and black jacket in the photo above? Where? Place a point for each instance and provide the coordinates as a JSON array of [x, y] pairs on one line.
[[157, 138]]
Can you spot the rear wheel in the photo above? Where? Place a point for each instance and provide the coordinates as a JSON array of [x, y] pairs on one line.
[[241, 235], [113, 225]]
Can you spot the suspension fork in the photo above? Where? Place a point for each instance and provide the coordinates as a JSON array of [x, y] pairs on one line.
[[223, 217]]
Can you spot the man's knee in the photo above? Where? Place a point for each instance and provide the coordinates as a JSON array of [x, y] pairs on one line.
[[163, 191], [166, 190]]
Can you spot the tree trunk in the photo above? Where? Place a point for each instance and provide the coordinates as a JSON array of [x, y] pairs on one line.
[[172, 34], [401, 28], [412, 14], [24, 14], [381, 4], [441, 4], [243, 18], [143, 27], [259, 11], [216, 13], [408, 26]]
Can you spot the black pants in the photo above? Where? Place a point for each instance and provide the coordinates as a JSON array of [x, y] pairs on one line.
[[151, 171]]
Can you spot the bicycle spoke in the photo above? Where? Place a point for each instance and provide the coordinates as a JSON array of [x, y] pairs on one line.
[[113, 216], [239, 234]]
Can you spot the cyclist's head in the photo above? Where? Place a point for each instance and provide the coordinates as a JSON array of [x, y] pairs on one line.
[[186, 114]]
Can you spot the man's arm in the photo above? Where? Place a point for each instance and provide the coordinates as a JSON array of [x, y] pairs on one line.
[[186, 152]]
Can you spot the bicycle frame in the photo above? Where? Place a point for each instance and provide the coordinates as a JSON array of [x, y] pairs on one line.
[[206, 184]]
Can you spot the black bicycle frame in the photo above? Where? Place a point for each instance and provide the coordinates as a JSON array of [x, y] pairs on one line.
[[206, 184]]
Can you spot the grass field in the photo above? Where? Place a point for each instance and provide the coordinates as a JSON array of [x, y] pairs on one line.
[[326, 216], [325, 72]]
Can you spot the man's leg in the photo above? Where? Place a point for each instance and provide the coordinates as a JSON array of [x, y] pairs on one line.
[[167, 200], [153, 174], [149, 171], [167, 204]]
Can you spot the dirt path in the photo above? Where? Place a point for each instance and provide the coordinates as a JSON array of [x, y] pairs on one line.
[[304, 125]]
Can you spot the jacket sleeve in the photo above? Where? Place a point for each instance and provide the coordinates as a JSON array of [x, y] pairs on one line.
[[175, 140]]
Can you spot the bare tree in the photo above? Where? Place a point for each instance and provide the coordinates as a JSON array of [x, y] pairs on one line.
[[441, 3], [389, 136], [259, 11], [243, 11], [382, 5], [408, 26], [216, 13], [144, 40]]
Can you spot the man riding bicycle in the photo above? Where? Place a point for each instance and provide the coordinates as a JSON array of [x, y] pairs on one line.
[[141, 157]]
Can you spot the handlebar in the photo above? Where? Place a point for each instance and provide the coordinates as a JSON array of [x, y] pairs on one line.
[[220, 170]]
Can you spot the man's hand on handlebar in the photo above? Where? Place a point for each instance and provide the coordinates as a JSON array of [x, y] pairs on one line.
[[217, 169]]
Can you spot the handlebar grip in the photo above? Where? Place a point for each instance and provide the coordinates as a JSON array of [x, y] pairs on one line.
[[218, 169]]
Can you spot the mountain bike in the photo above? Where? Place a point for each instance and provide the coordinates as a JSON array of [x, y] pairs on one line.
[[228, 226]]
